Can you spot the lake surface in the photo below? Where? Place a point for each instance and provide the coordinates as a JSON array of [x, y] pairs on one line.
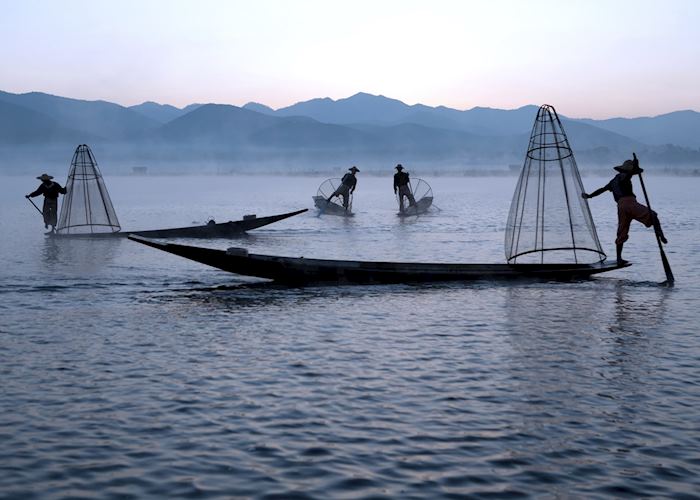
[[127, 372]]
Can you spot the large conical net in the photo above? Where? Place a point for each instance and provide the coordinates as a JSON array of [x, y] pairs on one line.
[[549, 220], [86, 207]]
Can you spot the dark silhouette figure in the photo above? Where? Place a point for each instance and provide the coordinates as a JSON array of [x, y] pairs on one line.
[[628, 208], [402, 187], [347, 187], [50, 190]]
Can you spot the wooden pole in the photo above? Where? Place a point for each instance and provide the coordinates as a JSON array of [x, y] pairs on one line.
[[667, 267], [38, 209]]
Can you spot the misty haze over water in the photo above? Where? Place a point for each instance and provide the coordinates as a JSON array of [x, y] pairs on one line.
[[320, 135]]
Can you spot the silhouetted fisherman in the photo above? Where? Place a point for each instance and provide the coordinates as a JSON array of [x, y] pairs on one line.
[[628, 208], [50, 190], [347, 187], [402, 186]]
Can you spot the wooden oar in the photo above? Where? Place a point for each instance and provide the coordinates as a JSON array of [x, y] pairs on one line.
[[667, 267], [38, 209]]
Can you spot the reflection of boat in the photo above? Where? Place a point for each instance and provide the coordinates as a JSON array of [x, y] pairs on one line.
[[212, 230], [332, 207], [298, 271], [423, 194]]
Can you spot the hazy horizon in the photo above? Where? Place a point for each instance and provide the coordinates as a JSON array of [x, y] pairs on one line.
[[591, 59]]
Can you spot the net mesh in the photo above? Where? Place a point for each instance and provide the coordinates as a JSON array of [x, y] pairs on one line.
[[422, 194], [87, 207], [549, 221], [325, 191]]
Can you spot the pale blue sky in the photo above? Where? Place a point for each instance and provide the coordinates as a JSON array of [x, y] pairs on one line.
[[588, 58]]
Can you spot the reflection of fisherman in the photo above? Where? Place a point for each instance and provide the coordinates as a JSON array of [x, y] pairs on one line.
[[50, 190], [402, 186], [628, 208], [347, 187]]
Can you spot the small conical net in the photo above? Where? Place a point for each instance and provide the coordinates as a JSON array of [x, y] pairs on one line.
[[549, 220], [86, 207], [325, 191], [422, 196]]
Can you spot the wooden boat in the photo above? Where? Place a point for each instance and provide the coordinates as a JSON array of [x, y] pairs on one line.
[[331, 207], [212, 230], [422, 193], [300, 271], [419, 208]]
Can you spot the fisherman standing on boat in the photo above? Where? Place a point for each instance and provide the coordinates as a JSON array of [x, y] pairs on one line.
[[628, 208], [347, 187], [402, 187], [50, 190]]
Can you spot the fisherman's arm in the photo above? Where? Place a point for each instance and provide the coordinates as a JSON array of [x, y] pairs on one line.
[[33, 194], [596, 192], [61, 190]]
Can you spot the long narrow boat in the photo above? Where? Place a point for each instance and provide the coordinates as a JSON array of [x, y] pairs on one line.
[[222, 230], [300, 271]]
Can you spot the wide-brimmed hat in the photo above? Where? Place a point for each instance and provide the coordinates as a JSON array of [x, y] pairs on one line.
[[354, 169], [626, 168], [45, 177], [399, 167]]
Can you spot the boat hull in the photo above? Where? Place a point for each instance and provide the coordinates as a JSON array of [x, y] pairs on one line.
[[331, 208], [300, 271], [419, 208], [229, 229]]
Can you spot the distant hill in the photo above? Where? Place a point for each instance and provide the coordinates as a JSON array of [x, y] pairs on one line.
[[681, 128], [359, 108], [214, 124], [20, 125], [97, 118], [371, 129], [260, 108]]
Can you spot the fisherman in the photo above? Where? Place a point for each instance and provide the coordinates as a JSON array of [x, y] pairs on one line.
[[627, 206], [347, 187], [402, 186], [50, 190]]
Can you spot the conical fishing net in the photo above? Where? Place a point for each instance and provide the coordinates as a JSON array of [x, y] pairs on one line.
[[325, 191], [86, 207], [422, 194], [549, 220]]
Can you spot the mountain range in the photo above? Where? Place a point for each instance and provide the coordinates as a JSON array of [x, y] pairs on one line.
[[376, 131]]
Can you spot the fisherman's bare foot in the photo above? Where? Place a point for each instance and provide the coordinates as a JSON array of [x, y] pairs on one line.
[[622, 262], [663, 238]]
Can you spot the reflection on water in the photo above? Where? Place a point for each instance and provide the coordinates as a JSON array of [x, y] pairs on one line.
[[140, 374], [82, 256]]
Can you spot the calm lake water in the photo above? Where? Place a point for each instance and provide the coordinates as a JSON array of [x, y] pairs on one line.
[[127, 372]]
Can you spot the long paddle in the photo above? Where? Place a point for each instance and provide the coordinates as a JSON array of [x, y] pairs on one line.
[[38, 209], [667, 267]]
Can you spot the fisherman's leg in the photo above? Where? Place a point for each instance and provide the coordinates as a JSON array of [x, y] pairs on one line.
[[45, 213], [401, 202], [618, 248], [649, 218], [52, 213], [623, 231], [657, 228]]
